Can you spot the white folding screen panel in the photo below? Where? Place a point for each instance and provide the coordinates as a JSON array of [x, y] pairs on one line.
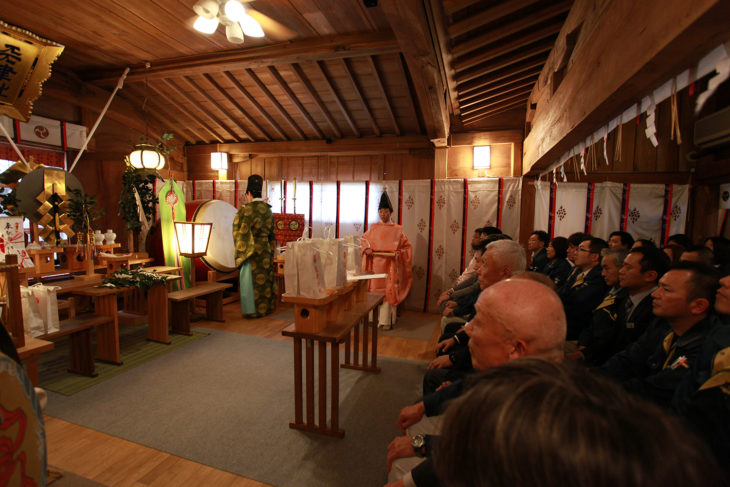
[[644, 211], [542, 205], [569, 210], [678, 212], [375, 192], [225, 191], [203, 189], [606, 209], [274, 193], [416, 219], [447, 234], [482, 202], [186, 186], [352, 208], [510, 206], [324, 208]]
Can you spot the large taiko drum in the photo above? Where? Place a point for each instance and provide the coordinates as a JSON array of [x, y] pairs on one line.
[[221, 255], [221, 251]]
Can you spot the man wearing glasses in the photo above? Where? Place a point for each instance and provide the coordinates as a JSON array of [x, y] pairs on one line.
[[585, 289]]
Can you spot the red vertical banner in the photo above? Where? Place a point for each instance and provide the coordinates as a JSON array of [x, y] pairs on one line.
[[625, 206], [235, 193], [337, 215], [500, 203], [311, 192], [464, 235], [214, 195], [400, 202], [667, 216], [367, 205], [589, 207]]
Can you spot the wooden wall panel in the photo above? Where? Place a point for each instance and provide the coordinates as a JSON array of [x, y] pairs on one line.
[[460, 162]]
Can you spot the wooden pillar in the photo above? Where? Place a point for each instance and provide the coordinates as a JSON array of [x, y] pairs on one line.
[[440, 162]]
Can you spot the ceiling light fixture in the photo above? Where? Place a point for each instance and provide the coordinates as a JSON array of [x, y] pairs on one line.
[[232, 14]]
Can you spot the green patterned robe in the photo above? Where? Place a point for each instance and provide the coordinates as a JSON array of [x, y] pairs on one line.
[[253, 236]]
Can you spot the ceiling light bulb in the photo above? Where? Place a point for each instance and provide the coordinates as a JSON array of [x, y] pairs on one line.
[[251, 27], [234, 33], [234, 10], [206, 26], [206, 8]]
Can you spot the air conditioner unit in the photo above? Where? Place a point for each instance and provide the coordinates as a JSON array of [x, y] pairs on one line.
[[713, 130]]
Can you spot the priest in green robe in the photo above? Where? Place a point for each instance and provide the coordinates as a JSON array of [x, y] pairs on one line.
[[253, 236]]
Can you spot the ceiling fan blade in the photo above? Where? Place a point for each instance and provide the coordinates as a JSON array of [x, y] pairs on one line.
[[274, 30]]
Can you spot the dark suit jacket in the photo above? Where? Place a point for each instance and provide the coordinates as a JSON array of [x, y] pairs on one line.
[[539, 261], [610, 331], [581, 298]]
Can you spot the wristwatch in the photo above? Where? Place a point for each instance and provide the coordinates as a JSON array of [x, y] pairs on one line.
[[419, 445]]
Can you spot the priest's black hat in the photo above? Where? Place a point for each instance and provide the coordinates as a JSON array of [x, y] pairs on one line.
[[385, 202], [255, 185]]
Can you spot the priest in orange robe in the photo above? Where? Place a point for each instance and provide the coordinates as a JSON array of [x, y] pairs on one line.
[[386, 250]]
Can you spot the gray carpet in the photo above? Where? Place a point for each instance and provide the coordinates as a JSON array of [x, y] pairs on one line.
[[226, 401]]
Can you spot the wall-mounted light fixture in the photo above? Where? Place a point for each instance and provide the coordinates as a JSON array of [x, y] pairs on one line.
[[482, 157], [219, 162]]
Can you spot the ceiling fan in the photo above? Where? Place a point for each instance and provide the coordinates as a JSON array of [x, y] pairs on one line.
[[238, 19]]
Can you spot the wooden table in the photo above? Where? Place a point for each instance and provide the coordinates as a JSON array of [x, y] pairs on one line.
[[105, 303], [354, 323]]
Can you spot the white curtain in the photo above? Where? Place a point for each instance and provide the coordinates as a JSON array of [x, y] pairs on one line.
[[376, 191], [542, 205], [448, 212], [569, 212], [510, 205], [644, 217], [352, 209], [204, 190], [678, 212], [324, 208], [482, 206], [606, 211], [416, 226]]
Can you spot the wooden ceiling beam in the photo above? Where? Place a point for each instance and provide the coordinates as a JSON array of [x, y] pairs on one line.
[[509, 88], [511, 28], [521, 95], [194, 104], [165, 118], [485, 17], [297, 104], [411, 28], [502, 49], [526, 66], [328, 84], [631, 49], [475, 96], [381, 88], [302, 78], [238, 106], [453, 6], [504, 62], [400, 65], [185, 115], [243, 91], [497, 109], [191, 82], [358, 93], [261, 86], [371, 145], [498, 98], [289, 52]]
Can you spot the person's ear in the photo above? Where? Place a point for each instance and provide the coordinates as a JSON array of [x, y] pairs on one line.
[[699, 306], [519, 349], [651, 276]]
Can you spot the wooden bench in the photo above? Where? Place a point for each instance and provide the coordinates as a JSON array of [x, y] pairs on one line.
[[30, 352], [81, 348], [181, 304]]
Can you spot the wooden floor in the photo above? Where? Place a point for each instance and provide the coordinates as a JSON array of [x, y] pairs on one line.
[[115, 462]]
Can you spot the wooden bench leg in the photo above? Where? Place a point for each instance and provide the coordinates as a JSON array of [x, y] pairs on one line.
[[31, 368], [214, 306], [158, 319], [180, 317], [81, 352]]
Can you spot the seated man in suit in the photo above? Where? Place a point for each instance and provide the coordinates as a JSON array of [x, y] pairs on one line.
[[654, 365], [583, 290], [537, 245], [515, 318], [630, 315], [501, 259]]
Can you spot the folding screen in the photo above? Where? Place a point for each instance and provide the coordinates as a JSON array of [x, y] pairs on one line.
[[652, 211], [438, 217]]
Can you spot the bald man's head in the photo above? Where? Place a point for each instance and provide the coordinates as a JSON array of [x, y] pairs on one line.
[[516, 318]]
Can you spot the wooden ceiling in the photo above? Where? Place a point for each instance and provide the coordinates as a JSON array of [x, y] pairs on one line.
[[326, 70]]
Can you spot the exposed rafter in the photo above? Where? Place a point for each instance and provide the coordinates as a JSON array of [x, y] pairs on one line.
[[195, 108], [240, 89], [242, 111], [295, 101], [302, 78], [381, 88], [209, 113], [261, 86], [358, 93], [328, 84]]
